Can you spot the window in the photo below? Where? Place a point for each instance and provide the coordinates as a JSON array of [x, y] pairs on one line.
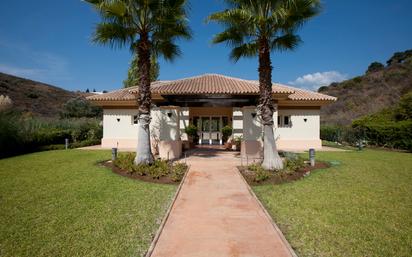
[[225, 121], [284, 121], [134, 119], [196, 122]]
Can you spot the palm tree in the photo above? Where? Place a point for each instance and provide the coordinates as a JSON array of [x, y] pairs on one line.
[[133, 75], [256, 28], [148, 27]]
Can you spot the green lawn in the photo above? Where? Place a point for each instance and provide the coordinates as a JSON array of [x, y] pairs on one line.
[[362, 207], [59, 203]]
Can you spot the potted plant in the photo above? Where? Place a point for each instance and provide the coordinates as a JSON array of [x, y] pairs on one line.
[[226, 133], [191, 132], [237, 142]]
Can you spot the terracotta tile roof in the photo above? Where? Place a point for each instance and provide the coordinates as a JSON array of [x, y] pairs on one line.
[[119, 95], [210, 84], [307, 95]]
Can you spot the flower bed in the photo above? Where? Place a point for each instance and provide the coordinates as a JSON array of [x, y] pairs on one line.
[[164, 172], [294, 168]]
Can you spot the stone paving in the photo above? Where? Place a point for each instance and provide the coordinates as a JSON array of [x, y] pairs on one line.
[[215, 214]]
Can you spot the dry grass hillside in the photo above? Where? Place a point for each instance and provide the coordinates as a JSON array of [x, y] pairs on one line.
[[34, 97], [367, 94]]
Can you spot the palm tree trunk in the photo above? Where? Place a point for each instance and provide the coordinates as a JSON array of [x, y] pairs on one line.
[[144, 101], [271, 158]]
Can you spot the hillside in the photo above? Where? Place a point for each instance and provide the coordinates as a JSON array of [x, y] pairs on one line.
[[35, 97], [377, 89]]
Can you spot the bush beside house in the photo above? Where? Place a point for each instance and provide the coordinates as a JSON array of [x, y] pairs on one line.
[[22, 134], [391, 127]]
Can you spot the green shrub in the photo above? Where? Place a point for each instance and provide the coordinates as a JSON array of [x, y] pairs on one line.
[[191, 131], [404, 109], [80, 107], [391, 127], [52, 147], [388, 134], [226, 132], [178, 171], [340, 134], [260, 174], [293, 162], [357, 79], [87, 142], [10, 139], [125, 162], [21, 134], [374, 67], [140, 169], [158, 169]]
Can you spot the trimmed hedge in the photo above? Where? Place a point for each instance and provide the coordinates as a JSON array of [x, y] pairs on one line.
[[340, 134], [391, 127], [388, 134]]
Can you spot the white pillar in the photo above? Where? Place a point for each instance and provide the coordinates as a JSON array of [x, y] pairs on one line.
[[184, 122], [237, 122]]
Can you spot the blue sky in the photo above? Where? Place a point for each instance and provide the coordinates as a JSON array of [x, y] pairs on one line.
[[49, 41]]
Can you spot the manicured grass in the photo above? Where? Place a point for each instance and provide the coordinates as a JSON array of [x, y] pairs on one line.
[[362, 207], [59, 203]]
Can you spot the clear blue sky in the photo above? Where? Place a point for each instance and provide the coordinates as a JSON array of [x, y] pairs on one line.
[[49, 41]]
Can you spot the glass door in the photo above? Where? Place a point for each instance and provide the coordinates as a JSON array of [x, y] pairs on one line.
[[214, 125], [205, 130], [215, 129]]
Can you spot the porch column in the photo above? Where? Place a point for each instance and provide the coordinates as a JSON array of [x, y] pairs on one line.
[[170, 146], [275, 122], [252, 146], [184, 122], [237, 122]]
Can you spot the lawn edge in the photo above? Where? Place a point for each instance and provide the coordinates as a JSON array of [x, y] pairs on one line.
[[282, 237], [166, 217]]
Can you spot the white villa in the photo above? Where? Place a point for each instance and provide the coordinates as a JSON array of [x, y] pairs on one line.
[[210, 102]]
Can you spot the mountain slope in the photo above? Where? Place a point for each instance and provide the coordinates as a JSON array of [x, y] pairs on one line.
[[367, 94], [34, 97]]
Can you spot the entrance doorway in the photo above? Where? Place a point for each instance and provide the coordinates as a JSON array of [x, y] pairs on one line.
[[210, 128]]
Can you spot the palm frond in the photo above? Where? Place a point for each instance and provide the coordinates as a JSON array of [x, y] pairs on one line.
[[285, 42], [248, 50], [276, 21], [114, 35]]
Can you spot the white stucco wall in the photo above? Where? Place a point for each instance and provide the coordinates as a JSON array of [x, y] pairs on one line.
[[118, 127], [237, 122], [300, 129], [300, 135], [169, 126], [122, 128], [252, 126], [123, 132], [184, 121]]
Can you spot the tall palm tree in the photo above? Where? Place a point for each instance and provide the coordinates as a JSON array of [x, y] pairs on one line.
[[148, 27], [133, 74], [256, 28]]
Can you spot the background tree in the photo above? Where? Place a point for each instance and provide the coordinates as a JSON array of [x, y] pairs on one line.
[[149, 28], [399, 57], [133, 75], [79, 107], [255, 28], [375, 66]]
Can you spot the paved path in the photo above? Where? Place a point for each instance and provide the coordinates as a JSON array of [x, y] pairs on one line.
[[215, 215]]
